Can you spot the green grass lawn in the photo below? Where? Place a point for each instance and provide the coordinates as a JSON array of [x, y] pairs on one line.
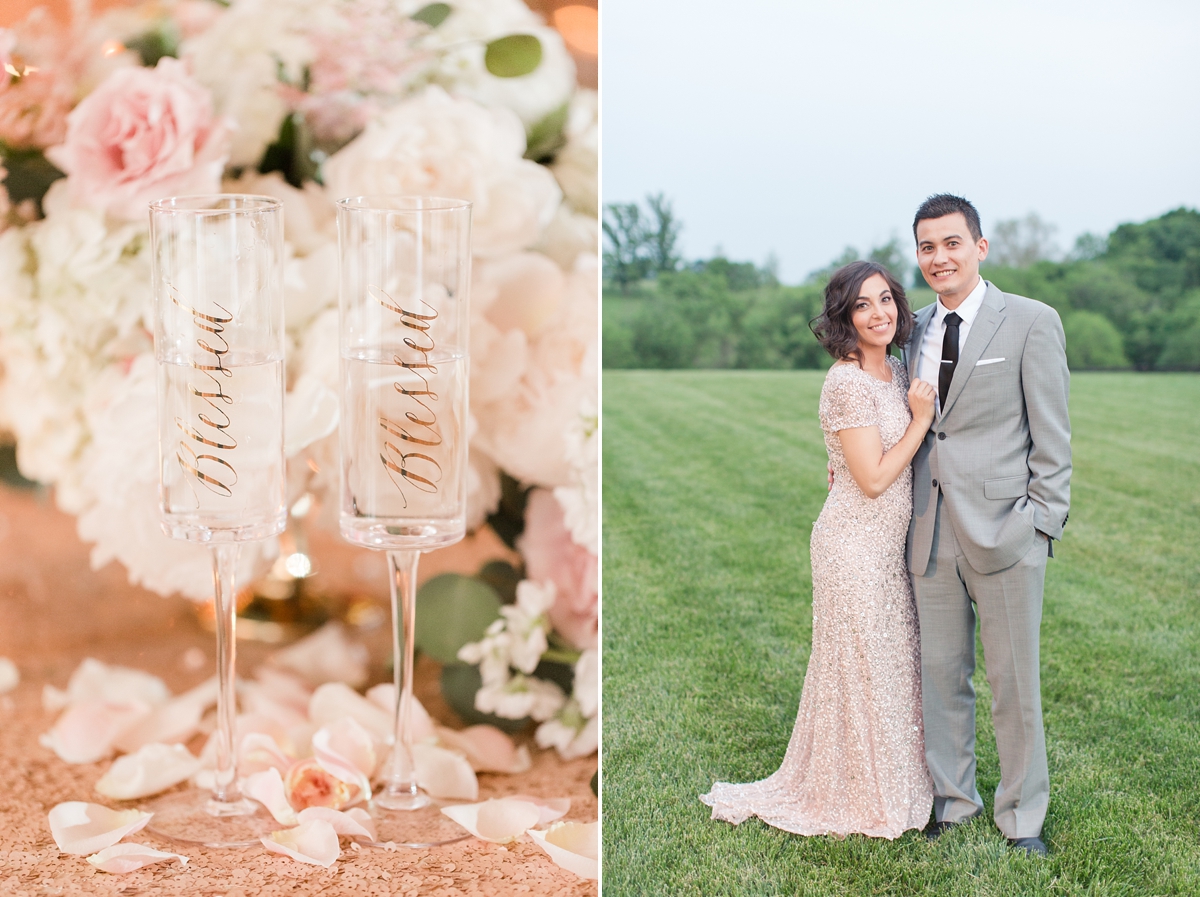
[[711, 482]]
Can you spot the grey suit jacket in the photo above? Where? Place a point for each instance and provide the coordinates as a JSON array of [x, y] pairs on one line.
[[1000, 452]]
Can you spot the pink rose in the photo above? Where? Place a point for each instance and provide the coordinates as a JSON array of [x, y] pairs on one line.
[[309, 785], [143, 134], [551, 555], [33, 110]]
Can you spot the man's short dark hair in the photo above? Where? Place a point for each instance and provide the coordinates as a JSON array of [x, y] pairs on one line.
[[942, 204]]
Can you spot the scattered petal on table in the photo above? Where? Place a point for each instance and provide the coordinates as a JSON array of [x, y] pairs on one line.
[[9, 675], [153, 768], [334, 700], [552, 807], [175, 721], [346, 750], [266, 787], [445, 774], [258, 752], [328, 655], [128, 857], [313, 842], [82, 828], [96, 681], [573, 845], [308, 784], [87, 732], [353, 823], [383, 696], [284, 687], [486, 748], [499, 821], [54, 699]]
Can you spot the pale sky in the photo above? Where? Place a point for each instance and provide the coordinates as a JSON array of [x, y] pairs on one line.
[[799, 127]]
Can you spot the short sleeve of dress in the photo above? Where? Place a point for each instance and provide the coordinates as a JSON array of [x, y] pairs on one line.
[[847, 400]]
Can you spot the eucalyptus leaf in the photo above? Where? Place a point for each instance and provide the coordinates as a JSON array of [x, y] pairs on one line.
[[547, 136], [30, 174], [453, 610], [513, 56], [433, 14], [152, 46], [503, 577], [460, 681]]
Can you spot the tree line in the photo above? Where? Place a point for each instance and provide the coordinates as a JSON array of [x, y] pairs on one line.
[[1130, 300]]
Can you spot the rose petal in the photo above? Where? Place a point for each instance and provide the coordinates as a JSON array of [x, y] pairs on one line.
[[445, 774], [383, 695], [9, 675], [175, 721], [327, 655], [284, 687], [54, 699], [80, 827], [334, 700], [552, 807], [346, 750], [260, 701], [258, 752], [486, 748], [96, 681], [313, 842], [266, 787], [353, 823], [86, 732], [573, 845], [154, 768], [127, 857], [498, 821]]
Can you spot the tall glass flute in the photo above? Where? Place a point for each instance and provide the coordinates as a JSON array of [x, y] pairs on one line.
[[218, 339], [403, 298]]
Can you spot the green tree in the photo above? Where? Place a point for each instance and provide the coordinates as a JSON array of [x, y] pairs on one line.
[[1093, 343], [625, 233], [661, 240]]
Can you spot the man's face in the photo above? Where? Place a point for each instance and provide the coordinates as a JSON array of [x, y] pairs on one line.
[[949, 257]]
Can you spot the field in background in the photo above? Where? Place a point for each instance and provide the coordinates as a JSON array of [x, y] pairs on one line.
[[711, 482]]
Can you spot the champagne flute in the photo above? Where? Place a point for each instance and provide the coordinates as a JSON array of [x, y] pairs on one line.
[[403, 299], [218, 339]]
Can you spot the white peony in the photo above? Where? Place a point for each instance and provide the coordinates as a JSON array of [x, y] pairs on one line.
[[570, 235], [436, 145], [576, 164]]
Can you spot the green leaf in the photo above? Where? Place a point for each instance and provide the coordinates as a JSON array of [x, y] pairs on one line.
[[30, 174], [453, 610], [513, 56], [508, 521], [153, 46], [503, 577], [546, 137], [460, 681], [433, 14], [292, 153]]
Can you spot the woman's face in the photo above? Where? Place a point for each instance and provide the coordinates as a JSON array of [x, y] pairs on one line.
[[874, 313]]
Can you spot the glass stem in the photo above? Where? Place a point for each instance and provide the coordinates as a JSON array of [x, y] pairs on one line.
[[225, 556], [401, 789]]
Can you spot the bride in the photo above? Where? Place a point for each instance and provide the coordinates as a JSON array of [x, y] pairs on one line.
[[856, 759]]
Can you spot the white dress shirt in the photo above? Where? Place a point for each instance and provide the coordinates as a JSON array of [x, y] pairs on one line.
[[930, 361]]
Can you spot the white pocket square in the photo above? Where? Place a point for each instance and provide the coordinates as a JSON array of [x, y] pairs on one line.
[[984, 361]]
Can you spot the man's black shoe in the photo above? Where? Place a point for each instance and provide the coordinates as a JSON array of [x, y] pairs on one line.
[[935, 830], [1030, 846]]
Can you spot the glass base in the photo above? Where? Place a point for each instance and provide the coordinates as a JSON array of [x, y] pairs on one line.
[[193, 817], [400, 533], [423, 825]]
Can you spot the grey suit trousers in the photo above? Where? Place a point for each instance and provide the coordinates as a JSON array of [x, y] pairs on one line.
[[1008, 603]]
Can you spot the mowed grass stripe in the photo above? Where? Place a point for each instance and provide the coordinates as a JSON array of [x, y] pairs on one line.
[[712, 481]]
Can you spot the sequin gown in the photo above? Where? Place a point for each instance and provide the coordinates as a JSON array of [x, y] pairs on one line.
[[856, 759]]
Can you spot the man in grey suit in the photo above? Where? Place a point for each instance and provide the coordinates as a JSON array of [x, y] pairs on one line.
[[991, 486]]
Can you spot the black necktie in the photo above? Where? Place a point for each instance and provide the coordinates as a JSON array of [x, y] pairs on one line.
[[949, 357]]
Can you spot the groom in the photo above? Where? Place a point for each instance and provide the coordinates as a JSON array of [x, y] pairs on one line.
[[991, 487]]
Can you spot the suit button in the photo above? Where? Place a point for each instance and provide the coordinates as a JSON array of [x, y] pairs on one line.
[[935, 484], [941, 435]]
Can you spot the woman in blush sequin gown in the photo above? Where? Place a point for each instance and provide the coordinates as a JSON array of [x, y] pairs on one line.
[[856, 759]]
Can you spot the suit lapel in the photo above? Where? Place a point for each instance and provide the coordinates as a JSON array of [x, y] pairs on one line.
[[983, 328], [924, 316]]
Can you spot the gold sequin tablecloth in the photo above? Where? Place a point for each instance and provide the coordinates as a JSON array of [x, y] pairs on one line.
[[55, 611]]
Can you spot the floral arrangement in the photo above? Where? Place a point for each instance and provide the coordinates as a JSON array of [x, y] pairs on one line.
[[309, 101]]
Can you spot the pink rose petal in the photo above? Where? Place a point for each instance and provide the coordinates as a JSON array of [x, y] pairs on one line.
[[96, 681], [154, 768], [353, 823], [313, 842], [308, 784], [573, 845], [121, 858], [335, 700], [259, 752], [498, 821], [347, 752], [82, 828], [328, 655], [487, 748], [445, 774], [552, 807], [175, 721], [266, 787], [87, 732], [383, 696]]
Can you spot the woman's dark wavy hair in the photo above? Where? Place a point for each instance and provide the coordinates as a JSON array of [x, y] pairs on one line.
[[834, 327]]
